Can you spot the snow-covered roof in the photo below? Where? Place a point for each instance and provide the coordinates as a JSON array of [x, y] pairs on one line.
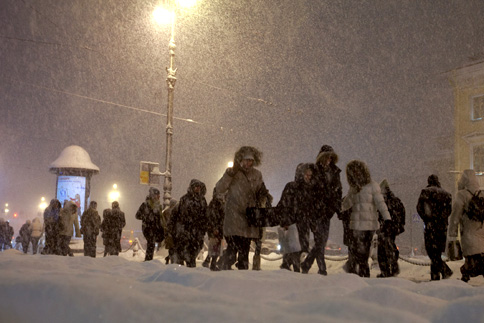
[[74, 157]]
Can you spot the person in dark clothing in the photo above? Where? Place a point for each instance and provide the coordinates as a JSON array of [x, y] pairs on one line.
[[112, 227], [51, 227], [150, 214], [297, 204], [188, 224], [120, 221], [215, 213], [434, 207], [90, 223], [387, 249], [165, 219], [5, 236], [25, 235], [328, 197]]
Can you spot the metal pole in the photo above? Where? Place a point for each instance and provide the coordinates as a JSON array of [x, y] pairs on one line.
[[170, 81]]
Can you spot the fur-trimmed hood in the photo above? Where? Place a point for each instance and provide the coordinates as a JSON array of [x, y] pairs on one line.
[[203, 188], [468, 181], [248, 150], [324, 155], [301, 169]]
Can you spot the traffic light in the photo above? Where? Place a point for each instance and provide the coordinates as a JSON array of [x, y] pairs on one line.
[[15, 215]]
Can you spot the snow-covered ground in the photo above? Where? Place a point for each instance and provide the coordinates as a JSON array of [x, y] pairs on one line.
[[38, 288]]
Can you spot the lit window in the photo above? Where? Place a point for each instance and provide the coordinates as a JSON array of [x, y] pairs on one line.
[[477, 111]]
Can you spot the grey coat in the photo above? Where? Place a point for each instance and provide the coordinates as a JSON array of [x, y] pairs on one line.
[[472, 232], [241, 190]]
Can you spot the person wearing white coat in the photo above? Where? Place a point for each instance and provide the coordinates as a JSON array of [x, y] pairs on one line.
[[36, 229], [364, 198], [471, 231]]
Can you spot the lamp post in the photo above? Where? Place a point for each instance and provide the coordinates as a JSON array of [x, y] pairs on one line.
[[163, 15]]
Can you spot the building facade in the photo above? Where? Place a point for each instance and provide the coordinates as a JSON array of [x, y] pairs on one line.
[[468, 85]]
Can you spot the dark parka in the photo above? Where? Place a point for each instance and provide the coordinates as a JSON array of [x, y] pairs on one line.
[[90, 222], [329, 189], [297, 200], [188, 222], [150, 214], [434, 207], [215, 213]]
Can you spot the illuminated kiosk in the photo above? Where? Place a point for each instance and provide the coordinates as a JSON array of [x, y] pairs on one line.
[[74, 170]]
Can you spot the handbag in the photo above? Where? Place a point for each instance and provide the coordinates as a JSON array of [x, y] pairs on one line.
[[454, 250]]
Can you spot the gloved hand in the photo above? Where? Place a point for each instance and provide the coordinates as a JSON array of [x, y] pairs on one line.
[[231, 171]]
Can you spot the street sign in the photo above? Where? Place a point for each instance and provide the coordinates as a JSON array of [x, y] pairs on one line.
[[149, 173]]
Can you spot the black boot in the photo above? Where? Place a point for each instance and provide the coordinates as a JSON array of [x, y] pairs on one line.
[[213, 264]]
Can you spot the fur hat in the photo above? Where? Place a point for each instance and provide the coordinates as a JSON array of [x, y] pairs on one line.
[[248, 152], [326, 152]]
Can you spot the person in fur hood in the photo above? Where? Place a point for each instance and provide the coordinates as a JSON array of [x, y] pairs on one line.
[[364, 198], [471, 231], [328, 195], [241, 185]]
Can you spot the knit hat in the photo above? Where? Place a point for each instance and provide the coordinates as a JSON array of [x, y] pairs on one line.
[[154, 191]]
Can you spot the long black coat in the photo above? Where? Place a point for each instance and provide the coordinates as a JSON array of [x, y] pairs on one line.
[[328, 187], [215, 213], [298, 199], [90, 222], [189, 220], [150, 215]]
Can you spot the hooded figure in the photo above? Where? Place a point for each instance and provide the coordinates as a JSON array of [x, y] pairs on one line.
[[327, 200], [51, 226], [90, 224], [242, 184], [387, 249], [471, 231], [68, 221], [364, 198], [24, 234], [215, 213], [150, 214], [188, 223], [434, 207]]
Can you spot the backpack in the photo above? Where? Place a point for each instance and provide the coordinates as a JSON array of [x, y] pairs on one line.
[[475, 209]]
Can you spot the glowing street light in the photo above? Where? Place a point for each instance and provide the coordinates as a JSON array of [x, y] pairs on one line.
[[43, 204], [6, 208], [230, 164], [164, 15], [114, 194]]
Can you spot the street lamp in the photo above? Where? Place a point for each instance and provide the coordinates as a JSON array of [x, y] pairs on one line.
[[163, 15], [114, 194]]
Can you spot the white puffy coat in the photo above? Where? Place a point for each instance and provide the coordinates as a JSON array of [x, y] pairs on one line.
[[364, 206]]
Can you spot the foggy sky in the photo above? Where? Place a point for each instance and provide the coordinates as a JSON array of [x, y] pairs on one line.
[[366, 77]]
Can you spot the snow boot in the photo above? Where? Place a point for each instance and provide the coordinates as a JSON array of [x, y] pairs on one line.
[[256, 262]]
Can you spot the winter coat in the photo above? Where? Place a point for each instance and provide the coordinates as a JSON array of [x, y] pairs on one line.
[[51, 213], [36, 228], [113, 223], [67, 219], [215, 213], [90, 222], [472, 232], [298, 199], [3, 231], [329, 187], [364, 206], [188, 222], [397, 212], [241, 191], [25, 232], [434, 207], [150, 214]]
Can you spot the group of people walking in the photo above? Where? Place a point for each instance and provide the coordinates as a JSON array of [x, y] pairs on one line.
[[307, 205]]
